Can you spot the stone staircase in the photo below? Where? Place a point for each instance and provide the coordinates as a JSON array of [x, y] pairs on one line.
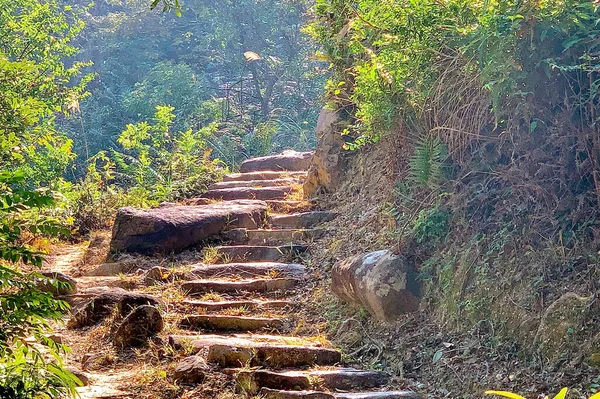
[[235, 314], [273, 366]]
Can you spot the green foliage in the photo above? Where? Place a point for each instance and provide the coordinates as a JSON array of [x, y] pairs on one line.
[[425, 167], [397, 54], [431, 225], [36, 83], [165, 165], [196, 63], [91, 203], [166, 83], [167, 5], [24, 371]]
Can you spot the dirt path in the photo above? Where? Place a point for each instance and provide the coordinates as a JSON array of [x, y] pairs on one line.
[[234, 309]]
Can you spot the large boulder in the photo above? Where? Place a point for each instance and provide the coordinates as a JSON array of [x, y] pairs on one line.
[[288, 160], [56, 283], [559, 332], [381, 282], [142, 323], [326, 169], [105, 303], [175, 228]]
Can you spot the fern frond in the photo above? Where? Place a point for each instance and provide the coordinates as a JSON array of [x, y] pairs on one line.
[[425, 167]]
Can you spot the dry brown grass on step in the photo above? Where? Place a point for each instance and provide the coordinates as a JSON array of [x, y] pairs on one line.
[[297, 193]]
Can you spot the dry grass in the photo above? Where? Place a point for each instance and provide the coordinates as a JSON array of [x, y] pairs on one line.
[[297, 193], [212, 297], [239, 311]]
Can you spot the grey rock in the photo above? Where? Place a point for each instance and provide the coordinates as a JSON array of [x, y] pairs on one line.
[[105, 303], [191, 370], [383, 283], [138, 326], [287, 160], [176, 228]]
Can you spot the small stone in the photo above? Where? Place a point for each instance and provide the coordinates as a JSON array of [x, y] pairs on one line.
[[66, 284], [141, 324], [83, 377], [56, 338], [191, 370], [512, 377], [157, 274]]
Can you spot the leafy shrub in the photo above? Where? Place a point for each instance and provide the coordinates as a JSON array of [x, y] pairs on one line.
[[431, 225], [36, 83], [166, 83], [163, 165], [24, 371]]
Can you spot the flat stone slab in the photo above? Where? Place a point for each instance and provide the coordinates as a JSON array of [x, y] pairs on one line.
[[241, 350], [267, 393], [305, 220], [264, 175], [275, 356], [221, 286], [197, 343], [175, 228], [231, 323], [288, 160], [338, 379], [259, 253], [256, 193], [255, 183], [282, 237], [246, 270], [250, 305]]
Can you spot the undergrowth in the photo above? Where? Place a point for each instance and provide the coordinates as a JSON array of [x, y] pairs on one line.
[[491, 110]]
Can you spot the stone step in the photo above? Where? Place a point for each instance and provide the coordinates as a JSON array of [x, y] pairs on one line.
[[249, 305], [285, 206], [258, 253], [244, 350], [247, 270], [338, 379], [231, 323], [264, 175], [288, 160], [240, 193], [198, 343], [255, 183], [273, 356], [305, 220], [267, 393], [197, 287], [275, 237], [284, 236]]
